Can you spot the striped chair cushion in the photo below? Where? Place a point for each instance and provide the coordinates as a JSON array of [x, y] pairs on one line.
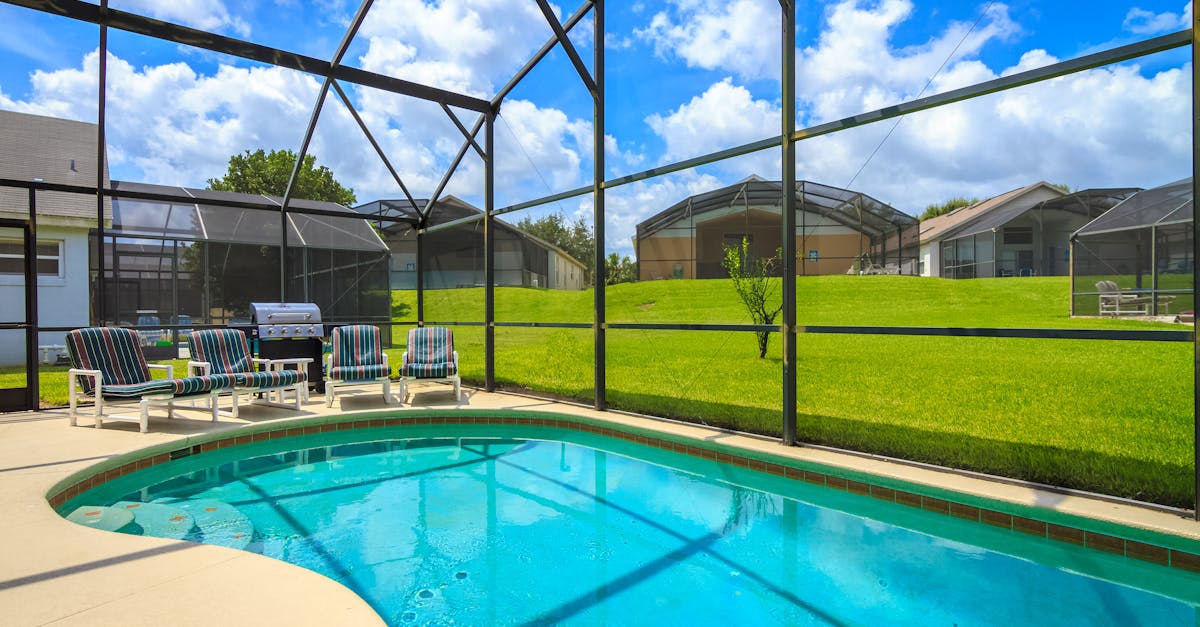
[[356, 345], [430, 353], [116, 353], [359, 373], [138, 390], [263, 380], [429, 371], [187, 386], [225, 349]]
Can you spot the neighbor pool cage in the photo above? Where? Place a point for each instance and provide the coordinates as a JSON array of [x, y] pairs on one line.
[[1144, 245], [334, 71]]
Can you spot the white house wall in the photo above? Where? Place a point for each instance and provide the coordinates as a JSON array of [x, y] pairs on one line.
[[62, 301]]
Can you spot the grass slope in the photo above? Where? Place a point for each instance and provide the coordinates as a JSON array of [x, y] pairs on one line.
[[1114, 417]]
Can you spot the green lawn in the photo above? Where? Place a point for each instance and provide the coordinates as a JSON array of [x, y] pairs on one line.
[[1114, 417]]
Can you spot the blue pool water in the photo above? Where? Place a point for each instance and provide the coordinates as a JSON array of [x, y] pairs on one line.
[[494, 531]]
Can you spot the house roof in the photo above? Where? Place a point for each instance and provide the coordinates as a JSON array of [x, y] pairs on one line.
[[446, 209], [1167, 204], [54, 150], [849, 208], [981, 216], [201, 221]]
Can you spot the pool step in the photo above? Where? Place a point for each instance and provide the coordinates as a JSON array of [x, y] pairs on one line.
[[100, 517], [220, 523], [158, 519]]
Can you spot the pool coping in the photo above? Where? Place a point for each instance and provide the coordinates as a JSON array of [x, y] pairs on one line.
[[1114, 528]]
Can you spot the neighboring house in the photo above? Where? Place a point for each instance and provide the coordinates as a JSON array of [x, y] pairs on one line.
[[454, 257], [57, 151], [836, 230], [1023, 232]]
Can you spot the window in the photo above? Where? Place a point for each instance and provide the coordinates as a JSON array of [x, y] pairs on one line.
[[49, 258], [1018, 235]]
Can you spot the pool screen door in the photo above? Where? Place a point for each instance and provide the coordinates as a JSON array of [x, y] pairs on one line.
[[18, 341]]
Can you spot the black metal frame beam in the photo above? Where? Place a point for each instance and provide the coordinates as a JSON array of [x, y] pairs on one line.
[[374, 144], [788, 280], [561, 35], [1195, 40], [351, 31], [1099, 59], [158, 29]]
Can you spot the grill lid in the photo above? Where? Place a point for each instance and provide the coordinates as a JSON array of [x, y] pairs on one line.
[[283, 320]]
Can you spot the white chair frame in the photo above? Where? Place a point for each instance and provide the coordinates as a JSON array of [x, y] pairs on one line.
[[76, 393], [331, 384]]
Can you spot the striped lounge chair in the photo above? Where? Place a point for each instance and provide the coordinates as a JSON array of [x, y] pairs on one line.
[[430, 356], [107, 366], [357, 358], [225, 351]]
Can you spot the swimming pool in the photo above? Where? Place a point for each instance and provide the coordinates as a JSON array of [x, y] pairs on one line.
[[478, 524]]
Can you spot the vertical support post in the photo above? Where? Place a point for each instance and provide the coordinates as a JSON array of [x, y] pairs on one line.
[[489, 252], [420, 231], [1153, 270], [100, 298], [32, 393], [1071, 272], [1195, 265], [788, 327], [599, 383]]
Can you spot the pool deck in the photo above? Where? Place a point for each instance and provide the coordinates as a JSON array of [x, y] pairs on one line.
[[57, 572]]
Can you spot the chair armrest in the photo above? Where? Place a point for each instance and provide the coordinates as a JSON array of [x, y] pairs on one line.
[[74, 373], [170, 370], [328, 363], [200, 368], [385, 360], [456, 360]]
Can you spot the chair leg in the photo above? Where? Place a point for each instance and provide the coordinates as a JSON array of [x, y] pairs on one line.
[[212, 402], [233, 396], [71, 418], [300, 389], [387, 391], [144, 415], [457, 389], [329, 393], [403, 396], [98, 410]]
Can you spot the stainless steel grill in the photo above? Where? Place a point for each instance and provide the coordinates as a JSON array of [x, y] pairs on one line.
[[286, 320], [287, 331]]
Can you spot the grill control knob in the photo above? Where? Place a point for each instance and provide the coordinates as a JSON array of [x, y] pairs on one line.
[[271, 331], [284, 330], [312, 330]]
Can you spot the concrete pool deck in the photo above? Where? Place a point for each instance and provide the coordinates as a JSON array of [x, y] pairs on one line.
[[57, 572]]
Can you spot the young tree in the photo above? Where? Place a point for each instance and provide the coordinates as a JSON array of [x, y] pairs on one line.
[[575, 238], [262, 172], [755, 286], [619, 270]]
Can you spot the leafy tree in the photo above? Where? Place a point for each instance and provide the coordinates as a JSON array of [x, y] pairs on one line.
[[754, 284], [1063, 187], [261, 172], [935, 210], [619, 270], [573, 237]]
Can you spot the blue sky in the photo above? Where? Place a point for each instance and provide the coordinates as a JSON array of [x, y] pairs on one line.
[[684, 78]]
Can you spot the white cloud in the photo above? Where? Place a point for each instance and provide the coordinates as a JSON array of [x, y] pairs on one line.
[[460, 45], [724, 115], [739, 36], [1142, 22], [210, 15]]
